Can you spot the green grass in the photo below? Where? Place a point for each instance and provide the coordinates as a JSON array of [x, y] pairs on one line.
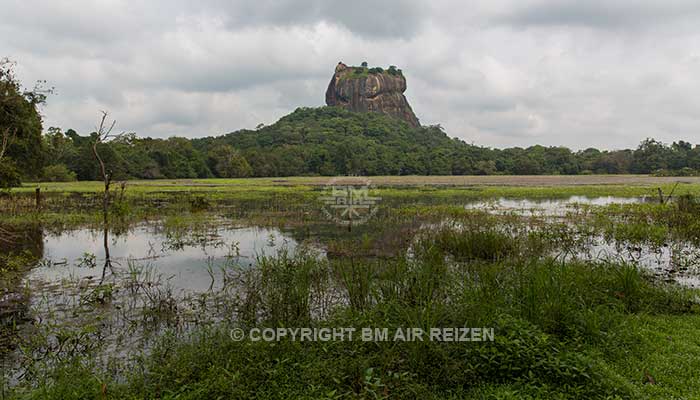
[[393, 186], [669, 350]]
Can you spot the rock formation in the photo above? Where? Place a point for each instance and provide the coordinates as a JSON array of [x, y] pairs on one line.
[[363, 89]]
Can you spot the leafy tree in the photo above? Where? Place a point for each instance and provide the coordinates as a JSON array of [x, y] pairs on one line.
[[20, 124], [651, 155], [228, 163]]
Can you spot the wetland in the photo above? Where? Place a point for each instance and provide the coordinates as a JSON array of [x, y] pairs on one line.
[[578, 287]]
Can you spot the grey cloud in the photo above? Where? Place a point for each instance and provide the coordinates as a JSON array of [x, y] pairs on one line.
[[603, 14], [592, 73], [368, 18]]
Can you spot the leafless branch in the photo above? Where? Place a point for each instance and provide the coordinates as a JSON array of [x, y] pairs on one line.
[[6, 140], [104, 134], [104, 131]]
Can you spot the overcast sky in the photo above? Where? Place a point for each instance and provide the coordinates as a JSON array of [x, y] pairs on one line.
[[497, 73]]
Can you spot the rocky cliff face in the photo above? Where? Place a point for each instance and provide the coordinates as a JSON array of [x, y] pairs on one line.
[[370, 90]]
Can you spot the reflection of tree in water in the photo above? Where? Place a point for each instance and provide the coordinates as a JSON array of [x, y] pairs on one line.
[[104, 134], [375, 238], [20, 249], [108, 258]]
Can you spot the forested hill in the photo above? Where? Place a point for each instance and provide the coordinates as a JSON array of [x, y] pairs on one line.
[[334, 141]]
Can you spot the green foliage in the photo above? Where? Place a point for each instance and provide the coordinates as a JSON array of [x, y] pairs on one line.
[[226, 162], [553, 325], [126, 157], [19, 115], [323, 141], [9, 176], [688, 204], [364, 71], [332, 141], [199, 203], [58, 173], [490, 245]]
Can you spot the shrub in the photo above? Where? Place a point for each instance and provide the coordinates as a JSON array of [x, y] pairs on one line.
[[490, 245], [58, 173]]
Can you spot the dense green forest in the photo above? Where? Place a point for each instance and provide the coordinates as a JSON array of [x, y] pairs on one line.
[[309, 141], [333, 141]]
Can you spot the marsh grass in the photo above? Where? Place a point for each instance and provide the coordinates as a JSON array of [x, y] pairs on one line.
[[550, 318], [555, 323], [564, 324]]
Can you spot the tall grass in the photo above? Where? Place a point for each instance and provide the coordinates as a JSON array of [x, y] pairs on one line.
[[559, 320]]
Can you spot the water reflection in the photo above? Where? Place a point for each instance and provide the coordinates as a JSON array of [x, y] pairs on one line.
[[186, 262], [548, 207], [19, 247]]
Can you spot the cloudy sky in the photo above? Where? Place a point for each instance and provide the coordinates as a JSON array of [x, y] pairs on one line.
[[497, 73]]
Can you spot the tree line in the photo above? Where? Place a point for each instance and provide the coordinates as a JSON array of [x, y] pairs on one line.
[[331, 141]]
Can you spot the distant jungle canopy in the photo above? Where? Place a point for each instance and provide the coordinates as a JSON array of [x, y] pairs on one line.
[[331, 141]]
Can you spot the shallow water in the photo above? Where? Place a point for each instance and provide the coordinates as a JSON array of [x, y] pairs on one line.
[[155, 280], [679, 262], [187, 263], [548, 207]]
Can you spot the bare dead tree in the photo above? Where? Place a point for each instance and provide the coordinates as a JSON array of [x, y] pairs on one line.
[[5, 141], [104, 134]]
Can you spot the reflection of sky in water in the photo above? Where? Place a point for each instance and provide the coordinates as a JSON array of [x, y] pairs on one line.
[[689, 281], [183, 267], [547, 206]]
